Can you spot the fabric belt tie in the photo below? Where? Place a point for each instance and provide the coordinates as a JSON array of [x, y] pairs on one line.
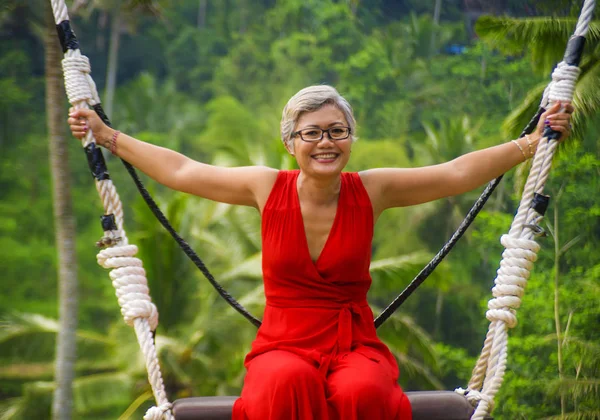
[[344, 335], [346, 311]]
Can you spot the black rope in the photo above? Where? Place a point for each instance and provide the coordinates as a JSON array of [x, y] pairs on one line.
[[186, 247], [572, 56], [437, 259], [96, 161]]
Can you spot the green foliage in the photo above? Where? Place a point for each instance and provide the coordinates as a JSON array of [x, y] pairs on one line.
[[212, 86], [545, 41]]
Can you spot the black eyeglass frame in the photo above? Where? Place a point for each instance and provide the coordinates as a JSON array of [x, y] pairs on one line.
[[323, 131]]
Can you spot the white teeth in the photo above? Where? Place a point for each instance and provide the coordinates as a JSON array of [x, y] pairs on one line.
[[325, 156]]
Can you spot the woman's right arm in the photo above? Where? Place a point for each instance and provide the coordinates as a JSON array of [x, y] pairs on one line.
[[248, 186]]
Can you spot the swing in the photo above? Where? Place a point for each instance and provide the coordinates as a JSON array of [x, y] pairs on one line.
[[128, 276]]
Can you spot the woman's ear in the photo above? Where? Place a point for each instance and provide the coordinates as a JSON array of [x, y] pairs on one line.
[[289, 146]]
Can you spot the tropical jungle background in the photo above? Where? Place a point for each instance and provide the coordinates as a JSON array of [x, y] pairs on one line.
[[429, 80]]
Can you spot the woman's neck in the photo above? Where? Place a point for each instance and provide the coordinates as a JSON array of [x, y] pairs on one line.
[[319, 190]]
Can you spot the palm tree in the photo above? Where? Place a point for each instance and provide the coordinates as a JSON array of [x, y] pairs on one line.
[[64, 223], [583, 385], [545, 40], [107, 374], [444, 141], [123, 16]]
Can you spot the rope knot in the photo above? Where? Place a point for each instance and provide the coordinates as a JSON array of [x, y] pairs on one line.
[[563, 82], [517, 261], [77, 71], [475, 397], [157, 413], [129, 280]]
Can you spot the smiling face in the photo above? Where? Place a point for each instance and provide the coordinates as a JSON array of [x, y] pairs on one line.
[[325, 157]]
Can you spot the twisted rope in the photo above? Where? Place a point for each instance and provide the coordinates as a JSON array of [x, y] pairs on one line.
[[128, 276], [585, 17], [520, 247]]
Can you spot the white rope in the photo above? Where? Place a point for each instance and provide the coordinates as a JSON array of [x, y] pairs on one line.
[[129, 281], [562, 86], [127, 274], [585, 17], [59, 9], [520, 250], [76, 70], [157, 413]]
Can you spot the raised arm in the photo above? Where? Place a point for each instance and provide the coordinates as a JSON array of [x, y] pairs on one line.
[[391, 187], [248, 186]]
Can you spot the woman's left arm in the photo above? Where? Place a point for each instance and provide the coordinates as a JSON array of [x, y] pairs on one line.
[[391, 187]]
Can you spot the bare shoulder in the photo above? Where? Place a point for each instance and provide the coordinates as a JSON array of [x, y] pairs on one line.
[[388, 187], [262, 179], [242, 185], [374, 185]]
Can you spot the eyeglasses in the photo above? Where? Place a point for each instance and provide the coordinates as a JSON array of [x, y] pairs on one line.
[[316, 134]]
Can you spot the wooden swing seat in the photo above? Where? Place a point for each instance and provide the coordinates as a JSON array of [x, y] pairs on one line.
[[426, 405]]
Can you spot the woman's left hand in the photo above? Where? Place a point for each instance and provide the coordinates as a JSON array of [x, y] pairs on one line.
[[558, 118]]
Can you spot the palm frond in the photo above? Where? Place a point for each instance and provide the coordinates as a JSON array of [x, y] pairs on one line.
[[402, 334], [137, 403], [585, 415], [545, 38], [577, 388], [251, 268], [398, 264], [35, 401], [100, 392], [520, 116], [31, 337], [390, 272], [586, 99], [415, 370], [19, 324], [255, 297], [11, 408]]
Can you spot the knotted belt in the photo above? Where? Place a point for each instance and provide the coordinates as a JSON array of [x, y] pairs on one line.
[[347, 311]]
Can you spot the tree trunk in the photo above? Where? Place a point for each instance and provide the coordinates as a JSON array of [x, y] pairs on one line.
[[113, 59], [64, 225], [353, 6], [436, 23], [244, 12], [202, 14]]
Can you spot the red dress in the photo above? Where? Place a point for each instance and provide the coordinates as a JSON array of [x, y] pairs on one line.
[[317, 355]]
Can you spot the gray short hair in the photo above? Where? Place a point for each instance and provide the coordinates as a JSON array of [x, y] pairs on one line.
[[311, 99]]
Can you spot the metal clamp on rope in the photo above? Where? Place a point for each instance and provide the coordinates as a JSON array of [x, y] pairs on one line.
[[109, 226], [96, 162], [537, 230], [574, 50], [66, 36], [540, 203]]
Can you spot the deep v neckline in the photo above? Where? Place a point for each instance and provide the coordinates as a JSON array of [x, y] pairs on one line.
[[315, 263]]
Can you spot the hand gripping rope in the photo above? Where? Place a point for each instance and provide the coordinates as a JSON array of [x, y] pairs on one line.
[[127, 274], [520, 247]]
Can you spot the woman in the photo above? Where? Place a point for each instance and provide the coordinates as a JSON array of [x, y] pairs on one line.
[[317, 355]]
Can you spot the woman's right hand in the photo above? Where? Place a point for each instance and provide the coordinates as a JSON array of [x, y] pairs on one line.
[[83, 120]]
